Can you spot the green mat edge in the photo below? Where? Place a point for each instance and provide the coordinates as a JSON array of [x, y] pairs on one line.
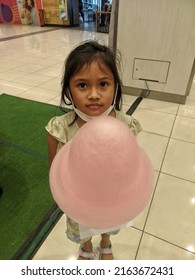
[[36, 239]]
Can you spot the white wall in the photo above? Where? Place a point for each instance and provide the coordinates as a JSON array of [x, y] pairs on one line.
[[162, 33]]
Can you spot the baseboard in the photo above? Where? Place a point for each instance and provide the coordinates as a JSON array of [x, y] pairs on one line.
[[162, 96]]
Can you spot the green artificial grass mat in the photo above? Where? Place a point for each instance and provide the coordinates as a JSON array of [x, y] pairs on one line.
[[27, 209]]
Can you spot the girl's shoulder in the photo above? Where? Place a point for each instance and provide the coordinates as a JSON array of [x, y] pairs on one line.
[[60, 127], [133, 123], [64, 119]]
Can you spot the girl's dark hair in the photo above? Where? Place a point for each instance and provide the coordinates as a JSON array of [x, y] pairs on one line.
[[85, 54], [32, 4]]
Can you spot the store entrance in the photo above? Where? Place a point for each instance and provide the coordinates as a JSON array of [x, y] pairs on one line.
[[95, 15]]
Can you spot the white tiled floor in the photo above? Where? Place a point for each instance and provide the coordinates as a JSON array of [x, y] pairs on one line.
[[31, 68]]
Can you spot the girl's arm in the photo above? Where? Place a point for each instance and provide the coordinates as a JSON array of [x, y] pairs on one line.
[[52, 148]]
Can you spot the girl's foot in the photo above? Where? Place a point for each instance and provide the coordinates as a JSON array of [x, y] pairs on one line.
[[105, 252], [86, 251]]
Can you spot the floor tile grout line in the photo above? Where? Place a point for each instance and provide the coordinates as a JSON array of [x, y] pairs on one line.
[[29, 74], [166, 136], [27, 34], [180, 178], [150, 205], [169, 242], [164, 240]]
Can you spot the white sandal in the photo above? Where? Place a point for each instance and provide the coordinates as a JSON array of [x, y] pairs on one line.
[[86, 255], [105, 251]]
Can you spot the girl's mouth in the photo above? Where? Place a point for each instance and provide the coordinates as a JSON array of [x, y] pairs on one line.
[[94, 106]]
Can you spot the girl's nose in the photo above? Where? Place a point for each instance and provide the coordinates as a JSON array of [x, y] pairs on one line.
[[94, 94]]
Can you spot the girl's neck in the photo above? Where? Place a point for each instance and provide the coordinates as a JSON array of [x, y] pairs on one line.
[[79, 121]]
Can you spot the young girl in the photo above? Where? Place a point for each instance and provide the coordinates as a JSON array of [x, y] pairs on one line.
[[92, 85]]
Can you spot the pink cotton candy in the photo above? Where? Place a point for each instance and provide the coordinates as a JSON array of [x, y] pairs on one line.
[[102, 178]]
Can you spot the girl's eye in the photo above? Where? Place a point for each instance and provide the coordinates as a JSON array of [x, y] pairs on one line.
[[103, 84], [82, 85]]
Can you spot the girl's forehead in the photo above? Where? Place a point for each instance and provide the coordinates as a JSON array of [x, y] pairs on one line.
[[95, 66]]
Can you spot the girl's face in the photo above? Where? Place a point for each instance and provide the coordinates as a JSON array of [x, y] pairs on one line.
[[29, 3], [92, 89]]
